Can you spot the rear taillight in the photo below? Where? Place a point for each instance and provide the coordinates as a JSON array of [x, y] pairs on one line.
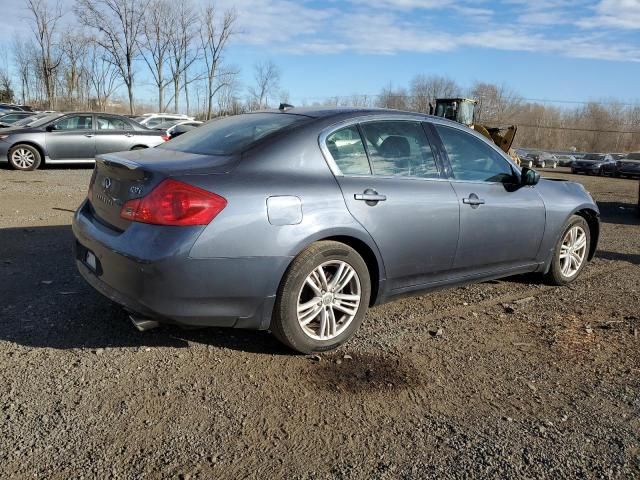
[[166, 137], [174, 203]]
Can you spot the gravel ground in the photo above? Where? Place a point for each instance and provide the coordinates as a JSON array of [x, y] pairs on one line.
[[503, 379]]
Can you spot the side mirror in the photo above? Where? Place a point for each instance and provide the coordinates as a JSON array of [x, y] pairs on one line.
[[51, 127], [529, 176]]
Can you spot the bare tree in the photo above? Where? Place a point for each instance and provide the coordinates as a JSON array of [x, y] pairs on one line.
[[426, 89], [45, 24], [102, 76], [155, 44], [119, 24], [267, 81], [22, 60], [182, 52], [214, 37], [74, 48], [393, 98]]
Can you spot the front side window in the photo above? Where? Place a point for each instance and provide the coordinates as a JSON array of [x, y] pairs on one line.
[[111, 123], [399, 149], [75, 122], [471, 158], [347, 150]]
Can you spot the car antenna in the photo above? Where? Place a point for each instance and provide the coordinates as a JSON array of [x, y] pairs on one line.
[[284, 107]]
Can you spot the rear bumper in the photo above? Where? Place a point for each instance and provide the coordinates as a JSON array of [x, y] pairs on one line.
[[147, 270]]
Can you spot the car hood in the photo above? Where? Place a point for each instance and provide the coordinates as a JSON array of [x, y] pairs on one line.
[[17, 130]]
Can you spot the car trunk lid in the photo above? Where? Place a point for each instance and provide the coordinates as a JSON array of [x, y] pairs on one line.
[[118, 178]]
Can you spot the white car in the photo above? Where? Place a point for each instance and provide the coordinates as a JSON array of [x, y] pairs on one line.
[[152, 120]]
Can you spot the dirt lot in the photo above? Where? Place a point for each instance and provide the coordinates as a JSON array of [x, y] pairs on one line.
[[525, 380]]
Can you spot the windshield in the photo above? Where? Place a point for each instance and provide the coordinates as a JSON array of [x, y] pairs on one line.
[[139, 119], [593, 156], [34, 120], [633, 156], [165, 125], [231, 134]]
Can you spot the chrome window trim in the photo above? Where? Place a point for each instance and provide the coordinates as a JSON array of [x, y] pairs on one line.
[[355, 121], [408, 117]]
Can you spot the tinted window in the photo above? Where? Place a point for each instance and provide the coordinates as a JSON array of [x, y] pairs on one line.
[[593, 156], [232, 134], [471, 158], [75, 122], [399, 149], [111, 123], [348, 151], [633, 156]]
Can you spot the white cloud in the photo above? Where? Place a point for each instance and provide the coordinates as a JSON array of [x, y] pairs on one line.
[[623, 14]]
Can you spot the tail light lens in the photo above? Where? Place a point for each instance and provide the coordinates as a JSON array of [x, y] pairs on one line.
[[166, 137], [174, 203]]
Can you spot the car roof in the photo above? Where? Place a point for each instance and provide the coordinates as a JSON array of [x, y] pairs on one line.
[[352, 112]]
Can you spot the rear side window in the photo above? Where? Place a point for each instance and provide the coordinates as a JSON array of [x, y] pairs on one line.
[[399, 149], [111, 123], [232, 134], [348, 151], [472, 159]]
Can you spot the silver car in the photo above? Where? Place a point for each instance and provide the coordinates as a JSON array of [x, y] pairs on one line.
[[297, 221], [72, 138]]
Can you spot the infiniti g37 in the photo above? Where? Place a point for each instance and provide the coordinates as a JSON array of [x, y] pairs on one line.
[[297, 221]]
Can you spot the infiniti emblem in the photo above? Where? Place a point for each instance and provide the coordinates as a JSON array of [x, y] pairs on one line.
[[106, 183]]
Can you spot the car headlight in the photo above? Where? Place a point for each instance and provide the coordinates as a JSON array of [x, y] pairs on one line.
[[2, 137]]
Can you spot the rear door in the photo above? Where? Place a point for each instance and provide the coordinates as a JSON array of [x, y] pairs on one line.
[[394, 189], [72, 138], [501, 222], [113, 134]]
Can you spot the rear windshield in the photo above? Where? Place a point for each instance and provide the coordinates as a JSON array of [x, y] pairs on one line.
[[593, 156], [230, 135]]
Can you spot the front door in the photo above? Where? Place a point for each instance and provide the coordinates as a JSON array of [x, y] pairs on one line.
[[72, 138], [501, 222], [397, 194]]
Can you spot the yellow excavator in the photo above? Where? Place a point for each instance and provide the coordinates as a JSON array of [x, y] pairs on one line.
[[463, 110]]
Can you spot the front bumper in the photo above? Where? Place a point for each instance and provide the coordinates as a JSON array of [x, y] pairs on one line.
[[589, 168], [147, 269]]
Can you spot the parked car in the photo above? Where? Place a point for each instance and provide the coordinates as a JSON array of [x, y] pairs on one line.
[[9, 119], [595, 164], [72, 138], [565, 160], [152, 120], [11, 107], [263, 221], [629, 166], [175, 129], [539, 159]]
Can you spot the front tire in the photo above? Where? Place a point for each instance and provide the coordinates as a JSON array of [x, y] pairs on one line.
[[571, 252], [322, 299], [24, 157]]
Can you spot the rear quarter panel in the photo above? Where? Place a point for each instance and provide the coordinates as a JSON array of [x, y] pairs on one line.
[[291, 166]]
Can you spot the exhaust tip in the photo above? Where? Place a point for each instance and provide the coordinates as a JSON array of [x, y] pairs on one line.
[[143, 324]]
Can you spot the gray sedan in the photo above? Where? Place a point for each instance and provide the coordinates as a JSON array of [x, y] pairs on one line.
[[72, 138], [298, 220]]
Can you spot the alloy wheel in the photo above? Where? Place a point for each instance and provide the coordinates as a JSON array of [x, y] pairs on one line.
[[573, 251], [328, 300], [23, 158]]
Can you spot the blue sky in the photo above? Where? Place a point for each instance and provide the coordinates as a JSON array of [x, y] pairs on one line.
[[556, 49]]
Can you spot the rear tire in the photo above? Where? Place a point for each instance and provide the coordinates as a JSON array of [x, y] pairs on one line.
[[322, 299], [571, 252], [24, 157]]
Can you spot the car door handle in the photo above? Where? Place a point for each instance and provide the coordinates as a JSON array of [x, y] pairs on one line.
[[88, 135], [473, 200], [370, 196], [128, 134]]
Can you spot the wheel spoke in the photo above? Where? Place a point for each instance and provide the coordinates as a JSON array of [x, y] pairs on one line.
[[323, 322], [322, 276], [310, 316], [331, 322], [310, 304], [314, 283], [336, 277], [348, 309], [347, 278]]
